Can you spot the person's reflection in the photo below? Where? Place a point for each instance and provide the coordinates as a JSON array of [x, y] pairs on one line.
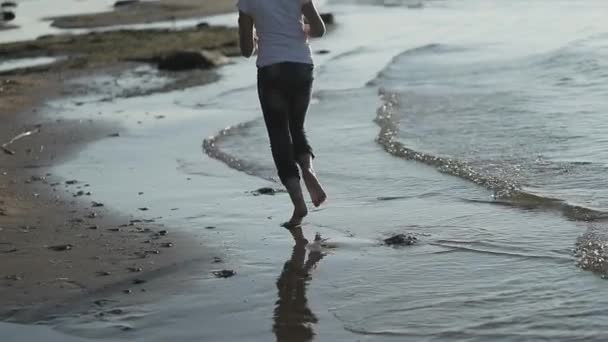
[[293, 320]]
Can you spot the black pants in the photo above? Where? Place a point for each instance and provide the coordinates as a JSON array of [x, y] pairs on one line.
[[284, 90]]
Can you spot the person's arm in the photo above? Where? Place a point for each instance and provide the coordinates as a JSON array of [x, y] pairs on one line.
[[316, 24], [246, 39]]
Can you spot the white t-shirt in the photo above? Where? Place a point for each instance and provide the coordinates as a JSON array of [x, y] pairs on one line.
[[280, 30]]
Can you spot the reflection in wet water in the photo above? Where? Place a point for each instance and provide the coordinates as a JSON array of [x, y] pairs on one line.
[[293, 319]]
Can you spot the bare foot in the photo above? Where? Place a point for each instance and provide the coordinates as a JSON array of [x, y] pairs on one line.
[[297, 218], [317, 194], [299, 205]]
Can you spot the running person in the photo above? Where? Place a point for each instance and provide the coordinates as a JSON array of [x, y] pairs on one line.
[[275, 29]]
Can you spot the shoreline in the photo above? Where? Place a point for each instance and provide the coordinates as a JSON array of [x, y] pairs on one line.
[[58, 245], [41, 213]]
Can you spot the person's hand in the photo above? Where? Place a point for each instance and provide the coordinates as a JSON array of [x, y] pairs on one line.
[[306, 28], [255, 44]]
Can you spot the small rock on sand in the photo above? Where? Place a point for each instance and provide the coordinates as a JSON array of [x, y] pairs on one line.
[[61, 248], [188, 60], [401, 240], [224, 273], [265, 191], [123, 3]]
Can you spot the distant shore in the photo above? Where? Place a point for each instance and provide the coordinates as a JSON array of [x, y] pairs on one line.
[[146, 12]]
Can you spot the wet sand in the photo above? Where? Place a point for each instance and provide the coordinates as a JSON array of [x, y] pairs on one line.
[[146, 12], [56, 241], [57, 244]]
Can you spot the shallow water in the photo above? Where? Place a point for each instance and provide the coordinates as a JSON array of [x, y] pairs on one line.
[[477, 92], [31, 16], [14, 64]]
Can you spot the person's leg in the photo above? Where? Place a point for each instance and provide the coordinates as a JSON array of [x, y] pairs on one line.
[[275, 107], [299, 100]]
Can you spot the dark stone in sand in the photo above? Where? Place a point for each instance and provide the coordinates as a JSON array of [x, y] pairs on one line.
[[103, 273], [323, 52], [127, 291], [71, 182], [217, 260], [122, 3], [101, 302], [188, 60], [79, 193], [202, 25], [116, 312], [92, 215], [140, 193], [163, 233], [94, 227], [12, 250], [224, 273], [114, 229], [143, 209], [8, 16], [114, 135], [401, 240], [265, 191], [210, 227], [37, 178], [328, 18], [138, 281], [61, 248], [135, 269], [96, 204]]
